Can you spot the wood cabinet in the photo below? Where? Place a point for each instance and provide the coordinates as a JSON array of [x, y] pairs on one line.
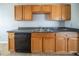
[[54, 11], [41, 8], [67, 42], [36, 8], [18, 12], [43, 42], [61, 42], [73, 39], [27, 12], [23, 12], [73, 45], [11, 42], [48, 45], [60, 12], [61, 45], [46, 8], [66, 12], [36, 45]]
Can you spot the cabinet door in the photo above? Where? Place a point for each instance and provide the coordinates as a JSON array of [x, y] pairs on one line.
[[48, 45], [27, 12], [56, 12], [66, 11], [45, 8], [11, 42], [36, 8], [18, 12], [73, 45], [36, 45], [61, 45]]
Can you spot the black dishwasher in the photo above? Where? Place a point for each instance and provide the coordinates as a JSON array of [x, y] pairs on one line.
[[23, 42]]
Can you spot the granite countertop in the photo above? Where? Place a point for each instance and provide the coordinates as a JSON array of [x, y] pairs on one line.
[[44, 29]]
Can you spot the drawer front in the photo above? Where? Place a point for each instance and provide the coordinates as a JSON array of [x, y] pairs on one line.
[[10, 35], [49, 35], [61, 34], [72, 34], [37, 34]]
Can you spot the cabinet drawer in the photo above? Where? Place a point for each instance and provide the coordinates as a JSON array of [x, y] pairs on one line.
[[61, 34], [37, 34], [10, 35], [50, 35], [72, 34]]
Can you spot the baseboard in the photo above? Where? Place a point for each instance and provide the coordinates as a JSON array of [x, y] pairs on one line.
[[2, 42]]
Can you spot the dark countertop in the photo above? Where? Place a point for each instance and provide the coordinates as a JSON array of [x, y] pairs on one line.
[[44, 29]]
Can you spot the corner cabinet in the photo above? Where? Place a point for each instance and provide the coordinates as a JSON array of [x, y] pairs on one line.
[[23, 13], [60, 12]]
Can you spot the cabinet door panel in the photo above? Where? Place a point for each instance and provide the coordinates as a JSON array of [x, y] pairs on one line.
[[49, 45], [36, 45], [73, 45], [61, 45], [18, 12], [66, 12], [36, 8], [56, 12], [11, 42], [46, 8], [27, 12]]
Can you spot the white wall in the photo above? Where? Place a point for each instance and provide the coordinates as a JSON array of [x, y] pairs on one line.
[[74, 22], [7, 21]]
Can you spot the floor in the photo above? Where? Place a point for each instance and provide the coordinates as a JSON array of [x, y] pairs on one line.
[[4, 52]]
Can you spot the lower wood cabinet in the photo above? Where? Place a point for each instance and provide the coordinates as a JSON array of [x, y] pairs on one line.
[[42, 43], [11, 42], [49, 45], [36, 45], [61, 45], [73, 45]]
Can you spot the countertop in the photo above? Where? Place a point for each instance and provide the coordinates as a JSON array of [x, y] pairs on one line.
[[44, 29]]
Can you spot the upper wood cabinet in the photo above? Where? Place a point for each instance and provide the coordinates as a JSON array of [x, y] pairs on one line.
[[41, 8], [54, 11], [18, 12], [60, 12], [36, 8], [23, 12], [66, 11], [27, 12], [46, 8]]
